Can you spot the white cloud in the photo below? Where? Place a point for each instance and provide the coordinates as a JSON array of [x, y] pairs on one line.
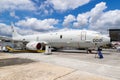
[[97, 12], [5, 30], [110, 19], [98, 19], [88, 18], [103, 21], [82, 20], [64, 5], [12, 14], [16, 5], [68, 19], [26, 32], [35, 24], [48, 6]]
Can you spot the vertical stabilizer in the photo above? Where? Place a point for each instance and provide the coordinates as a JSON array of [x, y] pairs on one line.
[[14, 32]]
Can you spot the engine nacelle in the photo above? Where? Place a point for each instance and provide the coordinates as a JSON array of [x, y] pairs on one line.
[[34, 45]]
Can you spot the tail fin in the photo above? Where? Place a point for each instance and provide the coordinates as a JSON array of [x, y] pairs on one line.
[[14, 32]]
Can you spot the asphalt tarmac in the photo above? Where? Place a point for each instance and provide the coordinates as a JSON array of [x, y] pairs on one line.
[[62, 65]]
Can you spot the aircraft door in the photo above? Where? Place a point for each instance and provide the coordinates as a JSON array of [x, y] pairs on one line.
[[83, 35], [84, 40]]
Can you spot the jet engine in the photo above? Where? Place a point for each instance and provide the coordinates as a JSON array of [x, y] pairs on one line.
[[35, 45]]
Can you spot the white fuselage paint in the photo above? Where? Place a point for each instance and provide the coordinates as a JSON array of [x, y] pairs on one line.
[[75, 38]]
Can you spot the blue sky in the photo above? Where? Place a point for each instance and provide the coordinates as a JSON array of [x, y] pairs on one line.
[[35, 16]]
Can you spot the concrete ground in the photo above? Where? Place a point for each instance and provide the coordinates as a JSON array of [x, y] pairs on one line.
[[65, 65]]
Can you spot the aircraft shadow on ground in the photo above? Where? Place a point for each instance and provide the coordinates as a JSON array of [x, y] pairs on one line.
[[14, 61]]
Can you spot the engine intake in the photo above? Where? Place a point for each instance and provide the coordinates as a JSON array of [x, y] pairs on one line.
[[35, 45]]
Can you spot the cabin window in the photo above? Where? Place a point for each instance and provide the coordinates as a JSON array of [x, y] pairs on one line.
[[60, 36]]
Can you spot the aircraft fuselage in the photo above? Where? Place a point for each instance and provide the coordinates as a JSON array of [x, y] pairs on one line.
[[76, 39]]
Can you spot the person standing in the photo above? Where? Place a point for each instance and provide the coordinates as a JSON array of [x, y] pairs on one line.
[[100, 53]]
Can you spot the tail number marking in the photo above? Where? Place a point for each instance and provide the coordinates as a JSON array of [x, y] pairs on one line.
[[97, 40]]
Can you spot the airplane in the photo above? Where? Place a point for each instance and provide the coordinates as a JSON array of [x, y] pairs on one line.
[[59, 39]]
